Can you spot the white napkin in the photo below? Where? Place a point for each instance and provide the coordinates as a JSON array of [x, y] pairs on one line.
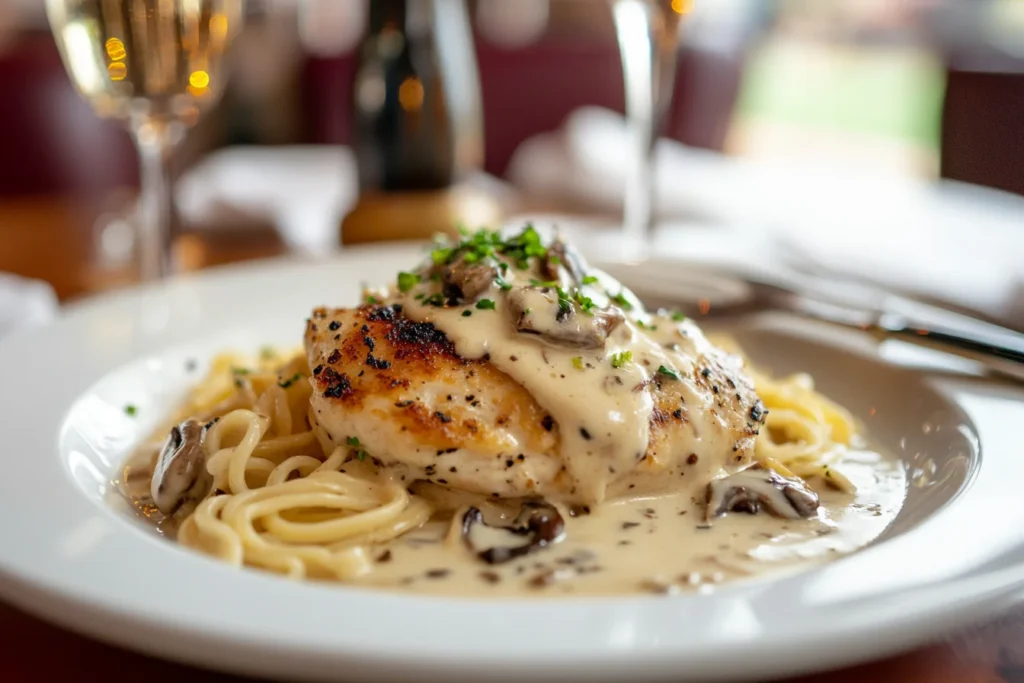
[[304, 190], [943, 240], [24, 303]]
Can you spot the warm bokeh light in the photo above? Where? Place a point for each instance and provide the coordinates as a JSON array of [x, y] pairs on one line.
[[117, 71], [199, 80], [682, 6], [218, 27], [115, 49], [410, 94]]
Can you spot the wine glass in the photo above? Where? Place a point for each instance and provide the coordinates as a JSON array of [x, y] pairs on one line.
[[648, 37], [155, 64]]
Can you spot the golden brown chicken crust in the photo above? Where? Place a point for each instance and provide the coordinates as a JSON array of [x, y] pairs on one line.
[[731, 393], [374, 351]]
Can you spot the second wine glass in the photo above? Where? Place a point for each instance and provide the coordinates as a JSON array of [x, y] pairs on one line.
[[156, 64], [648, 36]]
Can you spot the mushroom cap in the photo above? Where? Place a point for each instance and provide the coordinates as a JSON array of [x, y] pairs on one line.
[[180, 478]]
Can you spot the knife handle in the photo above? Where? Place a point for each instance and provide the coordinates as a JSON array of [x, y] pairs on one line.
[[1000, 350]]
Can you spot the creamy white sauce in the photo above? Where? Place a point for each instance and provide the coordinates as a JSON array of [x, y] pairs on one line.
[[603, 412], [658, 544]]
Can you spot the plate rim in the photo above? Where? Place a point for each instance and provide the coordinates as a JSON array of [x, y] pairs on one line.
[[38, 595]]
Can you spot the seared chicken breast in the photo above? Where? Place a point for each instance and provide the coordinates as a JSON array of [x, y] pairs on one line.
[[478, 376]]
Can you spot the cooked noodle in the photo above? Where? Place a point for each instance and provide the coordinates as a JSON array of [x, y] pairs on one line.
[[279, 502], [286, 499]]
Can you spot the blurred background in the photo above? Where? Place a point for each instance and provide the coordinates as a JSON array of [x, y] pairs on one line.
[[778, 108]]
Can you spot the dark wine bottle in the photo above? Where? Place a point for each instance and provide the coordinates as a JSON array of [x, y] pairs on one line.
[[417, 128], [403, 128]]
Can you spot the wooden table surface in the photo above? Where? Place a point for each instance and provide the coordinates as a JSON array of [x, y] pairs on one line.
[[52, 239]]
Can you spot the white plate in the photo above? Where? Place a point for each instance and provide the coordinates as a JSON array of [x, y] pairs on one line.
[[956, 552]]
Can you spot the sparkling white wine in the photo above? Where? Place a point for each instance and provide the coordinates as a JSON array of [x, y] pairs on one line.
[[145, 58]]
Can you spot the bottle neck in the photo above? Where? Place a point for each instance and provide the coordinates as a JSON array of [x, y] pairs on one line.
[[388, 14]]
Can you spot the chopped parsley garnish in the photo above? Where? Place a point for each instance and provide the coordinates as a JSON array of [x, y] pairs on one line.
[[268, 353], [371, 299], [442, 255], [436, 299], [239, 371], [407, 281], [620, 359], [527, 311], [669, 372], [353, 441], [131, 410], [467, 313], [577, 362], [524, 246], [485, 305], [543, 283], [500, 281], [420, 296], [564, 302], [471, 248], [585, 302], [678, 317], [621, 300], [487, 244], [589, 279], [646, 326], [284, 384]]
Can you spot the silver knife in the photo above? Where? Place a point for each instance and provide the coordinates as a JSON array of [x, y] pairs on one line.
[[716, 292]]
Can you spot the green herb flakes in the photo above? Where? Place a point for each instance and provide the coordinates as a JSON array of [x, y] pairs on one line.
[[585, 302], [669, 372], [620, 359], [621, 300], [407, 281]]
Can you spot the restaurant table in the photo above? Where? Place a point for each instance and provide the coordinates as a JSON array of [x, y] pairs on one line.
[[51, 239]]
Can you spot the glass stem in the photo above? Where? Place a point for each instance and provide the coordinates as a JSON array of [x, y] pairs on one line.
[[154, 141], [647, 45]]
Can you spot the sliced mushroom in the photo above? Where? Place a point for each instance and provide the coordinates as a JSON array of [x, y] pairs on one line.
[[180, 478], [757, 487], [464, 282], [537, 310], [562, 256], [539, 521]]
